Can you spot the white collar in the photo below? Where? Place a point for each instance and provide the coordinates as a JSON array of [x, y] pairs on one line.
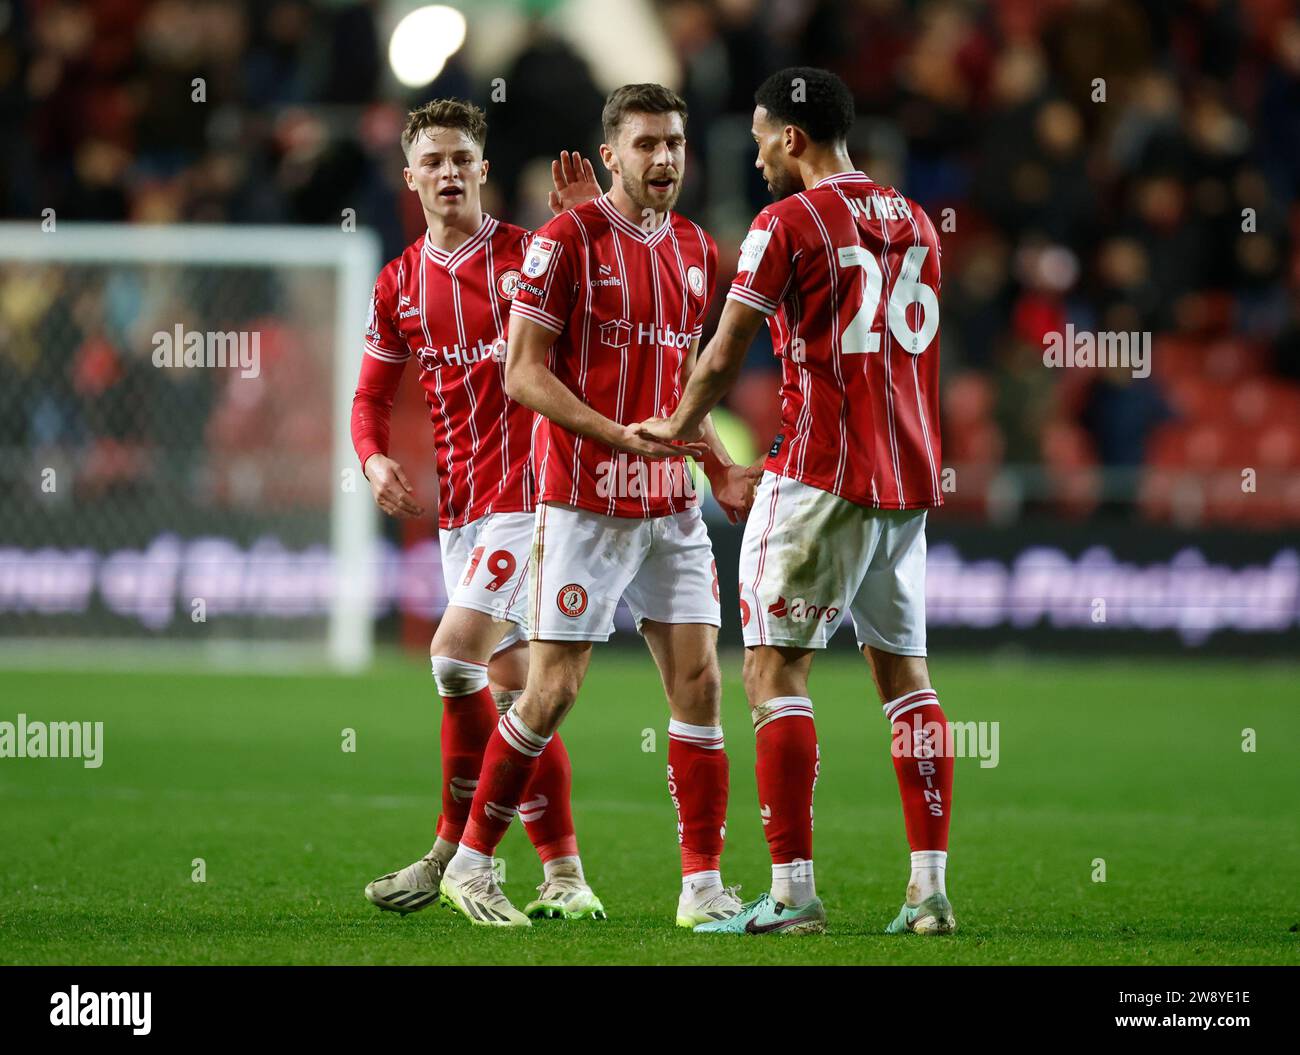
[[840, 177], [465, 250], [650, 238]]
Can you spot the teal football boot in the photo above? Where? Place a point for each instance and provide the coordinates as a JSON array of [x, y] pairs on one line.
[[767, 916], [931, 916]]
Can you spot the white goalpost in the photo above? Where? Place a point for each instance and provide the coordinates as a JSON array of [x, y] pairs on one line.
[[175, 449]]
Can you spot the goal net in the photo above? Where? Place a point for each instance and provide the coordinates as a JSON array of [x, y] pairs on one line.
[[174, 477]]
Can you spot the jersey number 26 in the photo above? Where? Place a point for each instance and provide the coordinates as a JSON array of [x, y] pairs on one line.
[[862, 336]]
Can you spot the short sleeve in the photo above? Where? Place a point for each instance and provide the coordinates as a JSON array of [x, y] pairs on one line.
[[767, 260], [545, 293], [383, 341]]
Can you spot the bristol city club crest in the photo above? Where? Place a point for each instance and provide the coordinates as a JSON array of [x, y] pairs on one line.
[[572, 600], [695, 279], [507, 282]]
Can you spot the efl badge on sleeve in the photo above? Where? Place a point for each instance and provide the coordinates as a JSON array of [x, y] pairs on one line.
[[540, 251]]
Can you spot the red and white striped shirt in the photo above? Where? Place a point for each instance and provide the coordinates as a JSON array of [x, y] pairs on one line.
[[450, 311], [848, 273], [626, 305]]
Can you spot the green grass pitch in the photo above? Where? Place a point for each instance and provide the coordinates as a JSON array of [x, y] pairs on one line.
[[1140, 765]]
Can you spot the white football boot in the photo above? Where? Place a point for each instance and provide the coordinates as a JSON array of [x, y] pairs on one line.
[[408, 890], [708, 906], [565, 896], [477, 897]]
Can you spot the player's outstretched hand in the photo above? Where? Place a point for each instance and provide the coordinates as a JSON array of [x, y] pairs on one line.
[[575, 182], [391, 489], [631, 439], [733, 488]]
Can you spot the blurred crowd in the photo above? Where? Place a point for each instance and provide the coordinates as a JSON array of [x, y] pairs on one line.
[[1117, 165]]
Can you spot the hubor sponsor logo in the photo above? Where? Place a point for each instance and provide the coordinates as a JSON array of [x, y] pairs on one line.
[[1107, 349], [626, 476], [619, 333], [615, 334], [75, 1008], [24, 739], [182, 348], [925, 740], [664, 335], [462, 354]]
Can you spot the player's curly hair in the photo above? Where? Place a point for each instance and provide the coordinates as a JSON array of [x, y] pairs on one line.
[[815, 100], [638, 99], [445, 113]]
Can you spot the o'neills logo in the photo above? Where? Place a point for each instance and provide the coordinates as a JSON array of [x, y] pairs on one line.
[[629, 476]]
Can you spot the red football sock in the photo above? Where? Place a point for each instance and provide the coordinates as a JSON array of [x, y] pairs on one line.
[[924, 763], [698, 780], [546, 809], [509, 763], [467, 722], [787, 768]]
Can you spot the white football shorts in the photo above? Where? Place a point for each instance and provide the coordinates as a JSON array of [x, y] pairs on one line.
[[485, 567], [809, 556], [584, 562]]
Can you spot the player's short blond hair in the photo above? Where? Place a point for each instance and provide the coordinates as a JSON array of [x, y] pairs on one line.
[[639, 99], [445, 113]]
